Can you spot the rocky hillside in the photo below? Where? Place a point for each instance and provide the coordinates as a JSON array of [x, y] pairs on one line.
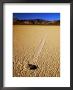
[[35, 22]]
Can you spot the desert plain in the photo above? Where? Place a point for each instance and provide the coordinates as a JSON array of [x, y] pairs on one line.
[[38, 45]]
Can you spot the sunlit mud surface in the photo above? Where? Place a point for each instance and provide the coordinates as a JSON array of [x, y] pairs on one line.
[[36, 45]]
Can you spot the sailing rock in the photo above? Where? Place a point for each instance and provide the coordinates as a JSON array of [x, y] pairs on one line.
[[32, 67]]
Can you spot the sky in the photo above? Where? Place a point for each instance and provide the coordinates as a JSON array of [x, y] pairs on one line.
[[44, 16]]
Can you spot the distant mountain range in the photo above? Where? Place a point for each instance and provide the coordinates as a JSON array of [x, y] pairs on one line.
[[35, 22]]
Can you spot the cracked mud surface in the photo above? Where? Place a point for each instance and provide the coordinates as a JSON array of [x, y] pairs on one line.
[[30, 46]]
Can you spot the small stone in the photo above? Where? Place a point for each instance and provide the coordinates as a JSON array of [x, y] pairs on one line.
[[32, 67]]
